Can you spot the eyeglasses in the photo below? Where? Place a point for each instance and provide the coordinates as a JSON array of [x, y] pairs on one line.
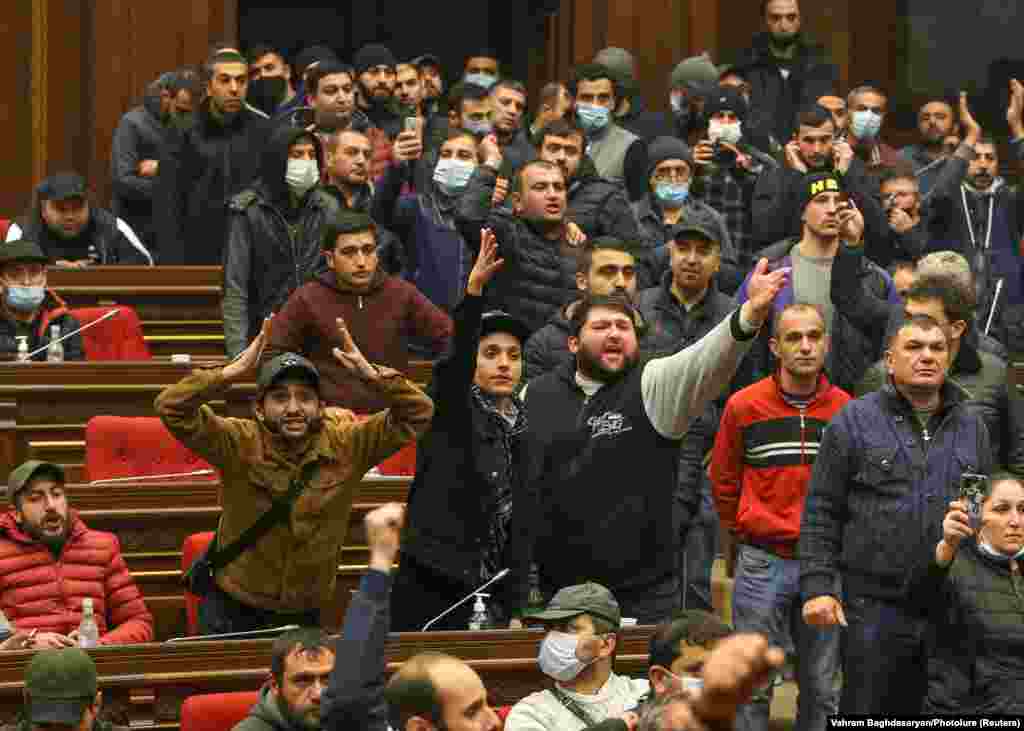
[[670, 174]]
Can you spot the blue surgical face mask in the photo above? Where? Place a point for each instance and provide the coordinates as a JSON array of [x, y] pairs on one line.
[[672, 195], [481, 129], [592, 117], [453, 175], [865, 124], [481, 79], [24, 299]]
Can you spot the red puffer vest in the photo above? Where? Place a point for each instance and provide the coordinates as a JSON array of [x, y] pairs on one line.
[[38, 591]]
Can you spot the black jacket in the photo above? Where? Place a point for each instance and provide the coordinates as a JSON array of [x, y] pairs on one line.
[[539, 275], [599, 206], [102, 241], [200, 170], [774, 101], [140, 135], [274, 242], [880, 490], [548, 348], [451, 499], [53, 311], [669, 326], [976, 605]]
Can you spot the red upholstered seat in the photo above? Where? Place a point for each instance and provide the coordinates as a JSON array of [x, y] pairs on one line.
[[191, 549], [123, 446], [402, 462], [216, 711], [118, 338]]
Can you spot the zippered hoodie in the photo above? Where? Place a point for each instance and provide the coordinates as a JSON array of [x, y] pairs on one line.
[[762, 459], [381, 319]]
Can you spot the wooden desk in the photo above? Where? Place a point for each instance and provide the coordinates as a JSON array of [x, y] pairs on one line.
[[179, 307], [151, 521], [44, 406], [149, 682]]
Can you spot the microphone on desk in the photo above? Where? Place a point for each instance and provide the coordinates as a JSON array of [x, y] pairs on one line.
[[62, 338], [255, 634], [140, 478], [498, 576]]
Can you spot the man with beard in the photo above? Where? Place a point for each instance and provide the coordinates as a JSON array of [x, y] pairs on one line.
[[836, 106], [585, 416], [409, 89], [429, 67], [272, 74], [294, 453], [936, 121], [776, 207], [215, 158], [43, 542], [974, 213], [375, 88], [74, 233], [786, 71], [755, 464], [331, 92]]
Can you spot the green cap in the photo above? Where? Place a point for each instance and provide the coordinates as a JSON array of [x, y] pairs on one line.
[[60, 685], [21, 250], [572, 601], [275, 369], [26, 471]]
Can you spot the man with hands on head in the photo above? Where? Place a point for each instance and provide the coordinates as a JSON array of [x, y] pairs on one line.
[[888, 464], [291, 571]]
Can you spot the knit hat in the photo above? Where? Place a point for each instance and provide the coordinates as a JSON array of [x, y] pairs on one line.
[[726, 99], [814, 184], [661, 149], [372, 55], [618, 60], [695, 71]]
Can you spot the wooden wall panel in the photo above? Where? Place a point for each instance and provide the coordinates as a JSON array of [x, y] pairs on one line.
[[16, 114]]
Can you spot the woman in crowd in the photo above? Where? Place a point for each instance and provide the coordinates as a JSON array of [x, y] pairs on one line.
[[974, 592]]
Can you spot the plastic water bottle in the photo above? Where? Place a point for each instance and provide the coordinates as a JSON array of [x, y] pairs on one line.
[[22, 348], [55, 350], [480, 618], [5, 627], [88, 632]]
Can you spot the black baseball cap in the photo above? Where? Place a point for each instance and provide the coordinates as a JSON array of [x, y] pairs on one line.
[[287, 364], [497, 321], [427, 59], [61, 187], [693, 228]]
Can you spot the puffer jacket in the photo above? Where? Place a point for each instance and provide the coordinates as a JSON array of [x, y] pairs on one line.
[[981, 379], [53, 311], [105, 240], [852, 351], [44, 592], [670, 327], [655, 234], [599, 206], [273, 246], [539, 275], [976, 605], [879, 492], [294, 566], [548, 348]]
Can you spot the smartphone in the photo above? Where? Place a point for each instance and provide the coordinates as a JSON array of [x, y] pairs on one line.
[[972, 493], [411, 124]]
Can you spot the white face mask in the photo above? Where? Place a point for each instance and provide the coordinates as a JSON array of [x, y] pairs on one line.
[[302, 175], [689, 683], [557, 657], [730, 132]]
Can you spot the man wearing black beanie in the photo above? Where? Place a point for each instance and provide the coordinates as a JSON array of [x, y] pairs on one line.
[[375, 67]]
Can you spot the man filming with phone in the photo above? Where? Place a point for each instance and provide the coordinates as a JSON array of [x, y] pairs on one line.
[[888, 466]]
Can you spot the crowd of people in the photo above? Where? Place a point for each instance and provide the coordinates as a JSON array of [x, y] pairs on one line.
[[744, 328]]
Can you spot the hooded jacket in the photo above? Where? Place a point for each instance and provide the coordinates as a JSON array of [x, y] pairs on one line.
[[200, 170], [381, 321], [274, 241], [44, 592], [140, 135], [52, 311], [105, 240], [267, 714], [775, 98]]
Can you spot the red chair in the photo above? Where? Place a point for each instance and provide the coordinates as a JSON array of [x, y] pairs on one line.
[[118, 338], [191, 549], [216, 711], [124, 446]]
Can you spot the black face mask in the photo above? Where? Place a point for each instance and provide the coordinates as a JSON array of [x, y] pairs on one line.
[[266, 93]]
